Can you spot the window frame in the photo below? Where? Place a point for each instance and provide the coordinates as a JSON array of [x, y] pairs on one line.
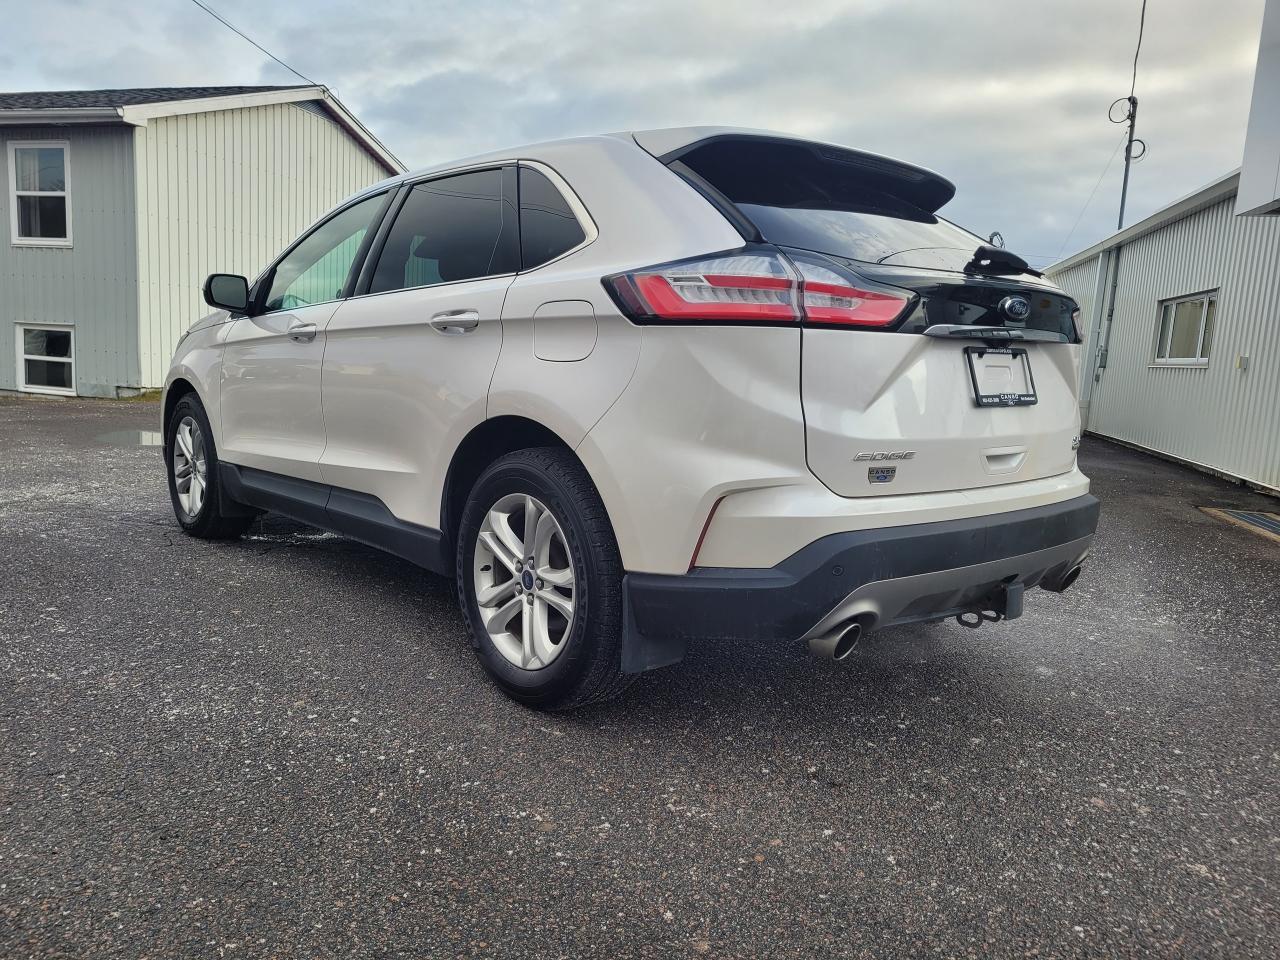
[[260, 289], [1201, 359], [14, 193], [20, 329]]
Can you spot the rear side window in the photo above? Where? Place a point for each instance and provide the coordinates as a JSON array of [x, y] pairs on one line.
[[547, 225], [798, 197], [451, 229]]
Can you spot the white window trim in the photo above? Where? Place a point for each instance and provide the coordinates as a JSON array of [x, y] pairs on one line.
[[14, 193], [1204, 296], [22, 355]]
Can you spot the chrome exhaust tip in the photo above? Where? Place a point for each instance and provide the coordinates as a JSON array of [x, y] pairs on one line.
[[837, 644]]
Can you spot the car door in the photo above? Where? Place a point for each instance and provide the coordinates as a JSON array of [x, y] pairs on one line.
[[271, 361], [408, 359]]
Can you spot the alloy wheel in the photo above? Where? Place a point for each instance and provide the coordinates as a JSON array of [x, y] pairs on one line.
[[190, 467], [524, 581]]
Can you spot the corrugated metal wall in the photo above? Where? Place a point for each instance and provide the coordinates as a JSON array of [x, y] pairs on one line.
[[227, 191], [91, 284], [1219, 416]]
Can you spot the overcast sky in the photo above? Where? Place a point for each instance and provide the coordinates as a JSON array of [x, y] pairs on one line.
[[1007, 99]]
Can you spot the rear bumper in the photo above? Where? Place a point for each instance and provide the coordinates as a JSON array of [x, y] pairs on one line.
[[882, 577]]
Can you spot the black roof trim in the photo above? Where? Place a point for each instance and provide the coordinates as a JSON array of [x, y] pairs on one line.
[[86, 99]]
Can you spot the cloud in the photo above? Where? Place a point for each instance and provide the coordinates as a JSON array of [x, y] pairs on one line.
[[1008, 101]]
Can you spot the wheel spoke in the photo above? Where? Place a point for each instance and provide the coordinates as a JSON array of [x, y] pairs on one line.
[[556, 578], [500, 524], [559, 601], [532, 517], [184, 440], [494, 545], [496, 593], [544, 647], [526, 638], [496, 620]]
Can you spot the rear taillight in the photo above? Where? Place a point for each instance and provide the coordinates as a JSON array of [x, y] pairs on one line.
[[841, 299], [750, 286], [755, 285]]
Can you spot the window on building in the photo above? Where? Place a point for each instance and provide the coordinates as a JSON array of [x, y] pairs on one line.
[[46, 359], [315, 271], [451, 229], [1184, 333], [39, 203], [547, 225]]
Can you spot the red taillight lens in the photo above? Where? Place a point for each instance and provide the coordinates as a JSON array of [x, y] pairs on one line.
[[755, 285], [751, 286], [831, 298]]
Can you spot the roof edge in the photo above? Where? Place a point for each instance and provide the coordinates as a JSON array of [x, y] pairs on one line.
[[1206, 196], [59, 115], [141, 113]]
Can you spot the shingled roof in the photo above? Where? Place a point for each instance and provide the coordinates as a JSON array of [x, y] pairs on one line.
[[82, 99]]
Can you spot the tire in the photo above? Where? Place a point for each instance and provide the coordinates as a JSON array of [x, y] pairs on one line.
[[204, 519], [585, 665]]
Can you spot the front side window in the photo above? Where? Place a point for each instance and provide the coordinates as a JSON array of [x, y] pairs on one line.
[[1184, 332], [46, 359], [455, 228], [548, 227], [38, 193], [315, 271]]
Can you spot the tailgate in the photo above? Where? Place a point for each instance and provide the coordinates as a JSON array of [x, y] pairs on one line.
[[895, 413]]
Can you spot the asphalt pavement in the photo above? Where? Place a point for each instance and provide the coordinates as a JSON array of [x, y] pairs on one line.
[[283, 746]]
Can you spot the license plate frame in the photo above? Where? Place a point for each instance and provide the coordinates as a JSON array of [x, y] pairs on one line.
[[1012, 399]]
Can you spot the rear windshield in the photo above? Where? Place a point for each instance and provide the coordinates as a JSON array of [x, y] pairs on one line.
[[923, 241], [799, 196]]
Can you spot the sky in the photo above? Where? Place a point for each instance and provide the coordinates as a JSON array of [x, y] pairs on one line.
[[1008, 100]]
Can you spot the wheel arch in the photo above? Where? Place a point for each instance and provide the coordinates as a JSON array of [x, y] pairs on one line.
[[178, 388], [485, 443]]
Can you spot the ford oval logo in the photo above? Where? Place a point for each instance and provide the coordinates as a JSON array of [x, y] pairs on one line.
[[1016, 308]]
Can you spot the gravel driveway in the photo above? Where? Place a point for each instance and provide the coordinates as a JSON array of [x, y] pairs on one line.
[[284, 747]]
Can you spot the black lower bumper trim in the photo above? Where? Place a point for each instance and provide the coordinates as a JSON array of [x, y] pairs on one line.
[[664, 611]]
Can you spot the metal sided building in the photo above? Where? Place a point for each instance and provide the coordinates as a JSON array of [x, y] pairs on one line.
[[118, 203], [1182, 317]]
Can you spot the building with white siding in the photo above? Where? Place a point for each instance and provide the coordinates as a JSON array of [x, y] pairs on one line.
[[118, 203], [1181, 315]]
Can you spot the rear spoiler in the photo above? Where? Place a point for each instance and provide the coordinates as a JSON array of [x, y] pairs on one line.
[[918, 186]]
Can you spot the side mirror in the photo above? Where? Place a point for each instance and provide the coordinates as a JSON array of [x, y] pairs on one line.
[[227, 291]]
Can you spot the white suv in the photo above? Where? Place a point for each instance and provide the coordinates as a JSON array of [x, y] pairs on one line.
[[640, 390]]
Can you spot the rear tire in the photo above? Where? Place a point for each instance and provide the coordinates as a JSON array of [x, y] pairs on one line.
[[191, 464], [570, 564]]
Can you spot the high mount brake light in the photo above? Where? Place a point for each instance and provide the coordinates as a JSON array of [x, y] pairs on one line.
[[753, 286]]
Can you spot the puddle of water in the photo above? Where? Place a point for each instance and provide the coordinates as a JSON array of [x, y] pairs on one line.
[[133, 438]]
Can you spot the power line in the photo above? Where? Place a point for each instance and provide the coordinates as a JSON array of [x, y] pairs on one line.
[[1098, 183], [1142, 22], [215, 16]]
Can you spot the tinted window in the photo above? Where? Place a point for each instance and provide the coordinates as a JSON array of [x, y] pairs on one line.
[[455, 228], [547, 226], [315, 271]]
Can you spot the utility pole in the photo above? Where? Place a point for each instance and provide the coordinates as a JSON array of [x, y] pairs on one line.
[[1128, 157]]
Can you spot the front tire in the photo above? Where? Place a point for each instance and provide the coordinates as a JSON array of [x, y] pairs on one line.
[[192, 468], [539, 579]]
